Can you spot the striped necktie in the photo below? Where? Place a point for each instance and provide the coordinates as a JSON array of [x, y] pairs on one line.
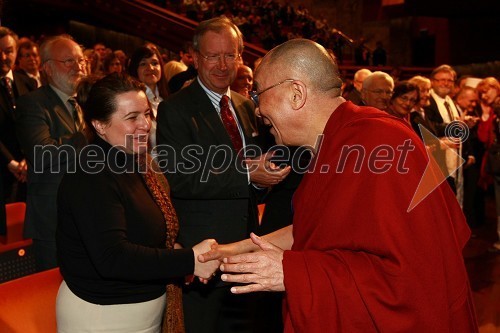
[[7, 84], [77, 113]]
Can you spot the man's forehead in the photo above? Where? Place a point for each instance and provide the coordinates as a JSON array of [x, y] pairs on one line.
[[8, 39], [443, 73]]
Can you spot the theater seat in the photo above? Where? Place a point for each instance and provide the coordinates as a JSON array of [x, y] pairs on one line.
[[14, 213], [16, 253], [28, 304]]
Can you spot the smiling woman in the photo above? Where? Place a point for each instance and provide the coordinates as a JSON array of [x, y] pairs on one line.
[[404, 98], [117, 226]]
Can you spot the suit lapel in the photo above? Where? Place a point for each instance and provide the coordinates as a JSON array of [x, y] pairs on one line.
[[242, 113], [209, 115], [60, 108]]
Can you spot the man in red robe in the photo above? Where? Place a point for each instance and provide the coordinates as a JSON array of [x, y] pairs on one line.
[[358, 258]]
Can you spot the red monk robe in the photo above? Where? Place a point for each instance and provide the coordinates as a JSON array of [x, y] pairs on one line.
[[360, 262]]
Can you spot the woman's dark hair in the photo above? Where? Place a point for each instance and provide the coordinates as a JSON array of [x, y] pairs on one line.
[[108, 60], [145, 52], [403, 87], [96, 95]]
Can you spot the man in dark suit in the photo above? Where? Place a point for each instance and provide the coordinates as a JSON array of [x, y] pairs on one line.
[[12, 85], [203, 154], [49, 129], [441, 112], [28, 61]]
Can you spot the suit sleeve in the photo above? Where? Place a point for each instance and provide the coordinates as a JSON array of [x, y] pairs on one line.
[[43, 138], [5, 156], [195, 164]]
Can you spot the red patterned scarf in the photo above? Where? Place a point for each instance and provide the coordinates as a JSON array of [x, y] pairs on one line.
[[173, 321]]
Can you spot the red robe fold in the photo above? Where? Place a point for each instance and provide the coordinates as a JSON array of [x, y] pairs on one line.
[[360, 262]]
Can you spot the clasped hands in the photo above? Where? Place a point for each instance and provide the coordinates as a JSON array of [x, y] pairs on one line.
[[19, 170], [255, 271]]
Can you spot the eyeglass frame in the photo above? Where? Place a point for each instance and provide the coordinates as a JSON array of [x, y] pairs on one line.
[[215, 59], [380, 92], [72, 62], [254, 95], [405, 99], [441, 81]]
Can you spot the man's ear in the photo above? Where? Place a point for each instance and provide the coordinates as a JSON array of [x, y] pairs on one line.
[[46, 68], [299, 95], [363, 95], [195, 56]]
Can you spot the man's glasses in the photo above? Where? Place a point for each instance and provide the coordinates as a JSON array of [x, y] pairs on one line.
[[441, 81], [381, 91], [254, 95], [229, 58], [72, 62], [28, 55]]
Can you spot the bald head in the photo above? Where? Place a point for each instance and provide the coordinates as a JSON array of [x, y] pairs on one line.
[[304, 60]]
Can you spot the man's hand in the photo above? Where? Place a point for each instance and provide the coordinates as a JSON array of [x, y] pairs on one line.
[[261, 271], [265, 173]]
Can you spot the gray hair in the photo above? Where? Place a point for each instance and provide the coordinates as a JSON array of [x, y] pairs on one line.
[[216, 24], [378, 74], [46, 48], [362, 71]]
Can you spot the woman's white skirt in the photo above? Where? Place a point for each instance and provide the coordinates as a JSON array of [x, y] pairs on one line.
[[75, 315]]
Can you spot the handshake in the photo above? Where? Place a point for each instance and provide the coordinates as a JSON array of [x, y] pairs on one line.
[[255, 262], [208, 256]]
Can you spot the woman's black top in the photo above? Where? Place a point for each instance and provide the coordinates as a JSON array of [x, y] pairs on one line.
[[111, 234]]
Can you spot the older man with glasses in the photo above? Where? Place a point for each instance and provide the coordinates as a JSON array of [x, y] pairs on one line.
[[359, 257], [377, 90], [50, 130], [205, 134]]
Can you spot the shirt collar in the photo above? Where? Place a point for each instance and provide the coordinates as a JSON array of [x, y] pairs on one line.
[[212, 94], [63, 96], [10, 75]]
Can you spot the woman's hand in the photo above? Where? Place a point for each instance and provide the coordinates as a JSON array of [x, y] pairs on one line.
[[205, 270]]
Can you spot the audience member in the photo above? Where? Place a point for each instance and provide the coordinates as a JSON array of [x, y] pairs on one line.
[[441, 112], [123, 58], [100, 53], [49, 127], [174, 67], [474, 195], [488, 92], [112, 64], [146, 66], [215, 200], [346, 267], [182, 79], [28, 61], [13, 84], [354, 94], [120, 217], [243, 82], [404, 98], [377, 90], [417, 116], [466, 100], [379, 55], [361, 53]]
